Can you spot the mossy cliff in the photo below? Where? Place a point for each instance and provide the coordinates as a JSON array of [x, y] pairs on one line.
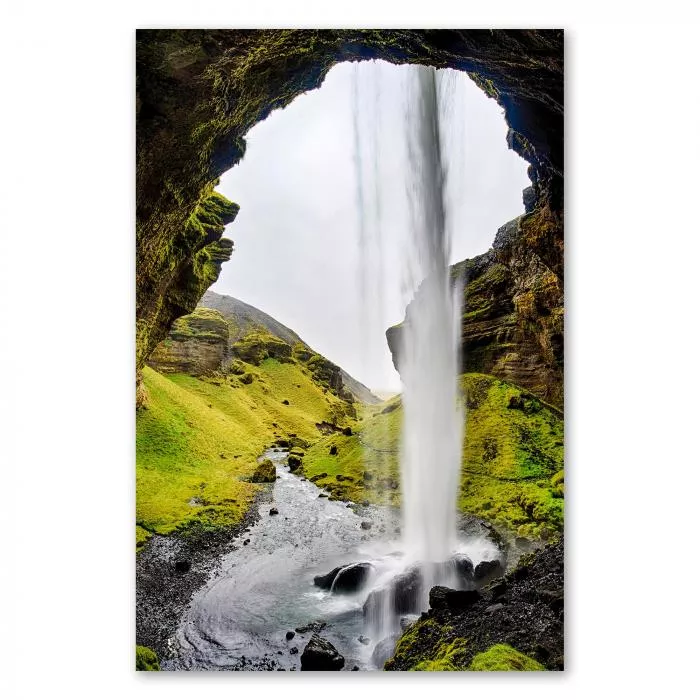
[[209, 412], [512, 312], [197, 344], [200, 91]]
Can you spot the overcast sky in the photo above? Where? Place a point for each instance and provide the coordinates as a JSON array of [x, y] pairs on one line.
[[297, 255]]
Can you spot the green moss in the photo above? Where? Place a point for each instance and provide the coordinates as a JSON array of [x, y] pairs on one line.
[[429, 646], [372, 449], [142, 536], [502, 657], [146, 659], [198, 441], [446, 657], [265, 473], [510, 454]]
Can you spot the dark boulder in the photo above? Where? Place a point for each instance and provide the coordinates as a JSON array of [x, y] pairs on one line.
[[333, 450], [183, 566], [347, 431], [294, 462], [345, 579], [464, 567], [274, 511], [320, 655], [366, 525], [443, 598], [488, 570], [290, 635], [401, 594]]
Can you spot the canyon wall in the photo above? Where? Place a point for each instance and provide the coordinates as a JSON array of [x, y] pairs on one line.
[[200, 91]]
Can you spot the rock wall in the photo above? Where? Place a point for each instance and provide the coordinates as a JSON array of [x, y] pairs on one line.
[[200, 91], [197, 344], [512, 316]]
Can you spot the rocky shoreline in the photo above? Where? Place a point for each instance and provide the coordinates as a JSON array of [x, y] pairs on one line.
[[170, 569], [524, 609]]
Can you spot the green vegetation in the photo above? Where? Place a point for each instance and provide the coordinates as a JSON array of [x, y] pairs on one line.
[[264, 473], [502, 657], [198, 440], [514, 444], [202, 324], [146, 659], [512, 460], [429, 646], [365, 464]]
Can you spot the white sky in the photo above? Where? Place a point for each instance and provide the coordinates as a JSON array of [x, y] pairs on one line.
[[296, 251]]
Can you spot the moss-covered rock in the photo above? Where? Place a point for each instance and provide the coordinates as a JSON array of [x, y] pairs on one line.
[[501, 657], [146, 659], [258, 345], [196, 344], [264, 473]]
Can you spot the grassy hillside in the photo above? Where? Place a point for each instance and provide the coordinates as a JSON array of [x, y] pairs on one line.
[[198, 439], [512, 468]]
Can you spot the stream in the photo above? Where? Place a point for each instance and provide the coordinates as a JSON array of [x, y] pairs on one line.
[[263, 589]]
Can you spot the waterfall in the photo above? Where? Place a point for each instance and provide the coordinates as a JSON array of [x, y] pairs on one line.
[[424, 142], [431, 443]]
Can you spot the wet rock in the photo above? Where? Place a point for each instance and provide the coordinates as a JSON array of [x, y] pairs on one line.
[[383, 651], [347, 431], [367, 476], [443, 598], [488, 570], [363, 640], [183, 566], [274, 511], [333, 450], [366, 525], [355, 668], [464, 566], [401, 594], [320, 655], [315, 626], [290, 635], [294, 650], [246, 542], [345, 579], [294, 462], [285, 402], [494, 608]]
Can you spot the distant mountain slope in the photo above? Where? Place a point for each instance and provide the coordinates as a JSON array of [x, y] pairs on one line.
[[244, 318]]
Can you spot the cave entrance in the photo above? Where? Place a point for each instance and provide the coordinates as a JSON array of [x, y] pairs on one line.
[[298, 255]]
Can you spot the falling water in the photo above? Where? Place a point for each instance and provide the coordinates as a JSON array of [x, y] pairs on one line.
[[431, 441], [429, 354]]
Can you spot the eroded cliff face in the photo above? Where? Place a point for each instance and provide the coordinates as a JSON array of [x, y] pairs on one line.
[[512, 315], [200, 91], [197, 344]]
